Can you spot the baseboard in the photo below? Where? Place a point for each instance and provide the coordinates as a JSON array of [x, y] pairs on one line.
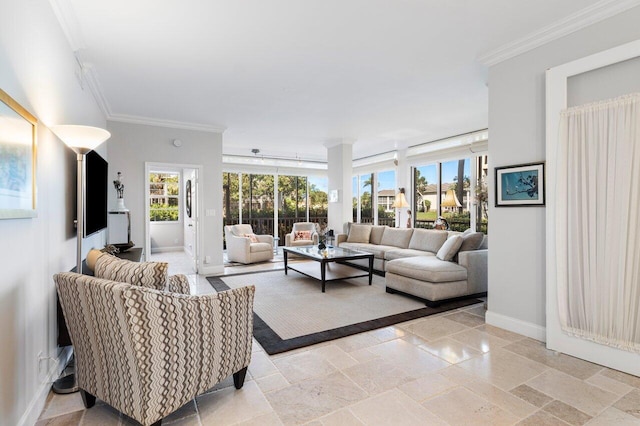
[[515, 325], [211, 270], [32, 413], [157, 250]]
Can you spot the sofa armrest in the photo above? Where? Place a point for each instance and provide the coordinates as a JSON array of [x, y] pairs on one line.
[[265, 239], [341, 238], [288, 238], [238, 248], [476, 263]]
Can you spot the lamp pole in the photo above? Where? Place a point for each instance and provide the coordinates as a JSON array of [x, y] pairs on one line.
[[81, 139]]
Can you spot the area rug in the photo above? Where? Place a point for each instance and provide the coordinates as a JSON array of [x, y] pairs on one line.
[[291, 312]]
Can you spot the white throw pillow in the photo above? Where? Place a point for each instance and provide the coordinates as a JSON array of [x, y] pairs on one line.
[[450, 248]]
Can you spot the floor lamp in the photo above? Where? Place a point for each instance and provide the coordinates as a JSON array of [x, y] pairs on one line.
[[81, 139], [400, 203]]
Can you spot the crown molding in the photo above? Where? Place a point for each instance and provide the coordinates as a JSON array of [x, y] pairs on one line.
[[95, 88], [588, 16], [69, 23], [134, 119]]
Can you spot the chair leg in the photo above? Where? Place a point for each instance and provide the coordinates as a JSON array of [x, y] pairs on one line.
[[88, 399], [238, 378]]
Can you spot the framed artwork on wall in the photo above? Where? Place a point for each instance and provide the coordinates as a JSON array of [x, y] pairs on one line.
[[520, 185], [17, 160]]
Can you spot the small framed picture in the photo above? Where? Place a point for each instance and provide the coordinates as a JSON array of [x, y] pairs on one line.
[[521, 185]]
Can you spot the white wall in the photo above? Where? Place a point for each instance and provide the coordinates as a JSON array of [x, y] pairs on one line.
[[131, 145], [166, 236], [517, 126], [604, 83], [37, 70]]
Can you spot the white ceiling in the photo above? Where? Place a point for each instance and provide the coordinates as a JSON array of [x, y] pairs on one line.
[[285, 76]]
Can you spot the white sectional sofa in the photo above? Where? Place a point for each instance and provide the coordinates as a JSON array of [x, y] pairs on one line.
[[428, 264]]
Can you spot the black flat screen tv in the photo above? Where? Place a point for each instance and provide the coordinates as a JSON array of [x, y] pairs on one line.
[[95, 194]]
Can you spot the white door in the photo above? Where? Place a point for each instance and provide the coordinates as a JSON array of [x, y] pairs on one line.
[[556, 96]]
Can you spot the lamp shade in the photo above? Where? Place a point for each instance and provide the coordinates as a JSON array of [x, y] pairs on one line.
[[400, 201], [81, 139], [451, 199]]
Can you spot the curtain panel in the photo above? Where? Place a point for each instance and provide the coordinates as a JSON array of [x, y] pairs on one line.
[[598, 222]]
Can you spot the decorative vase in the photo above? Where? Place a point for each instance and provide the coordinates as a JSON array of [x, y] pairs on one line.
[[121, 207]]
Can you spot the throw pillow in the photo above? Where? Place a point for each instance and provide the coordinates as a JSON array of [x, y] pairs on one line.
[[359, 233], [302, 235], [471, 241], [145, 274], [252, 237], [450, 248]]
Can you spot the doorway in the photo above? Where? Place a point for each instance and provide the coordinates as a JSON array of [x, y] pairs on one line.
[[172, 210]]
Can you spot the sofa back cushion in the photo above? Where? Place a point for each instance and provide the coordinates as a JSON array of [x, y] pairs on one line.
[[471, 241], [450, 248], [397, 237], [428, 240], [376, 234], [359, 233]]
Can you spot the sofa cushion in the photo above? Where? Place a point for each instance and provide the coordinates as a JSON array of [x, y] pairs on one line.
[[377, 250], [427, 239], [397, 237], [359, 233], [398, 253], [427, 268], [450, 248], [376, 234], [471, 241]]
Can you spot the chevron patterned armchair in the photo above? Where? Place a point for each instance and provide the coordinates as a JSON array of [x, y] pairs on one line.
[[146, 351]]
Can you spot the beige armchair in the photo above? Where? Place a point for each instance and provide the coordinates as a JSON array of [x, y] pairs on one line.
[[147, 352], [240, 247], [290, 239]]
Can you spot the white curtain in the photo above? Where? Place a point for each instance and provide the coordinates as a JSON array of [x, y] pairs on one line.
[[598, 222]]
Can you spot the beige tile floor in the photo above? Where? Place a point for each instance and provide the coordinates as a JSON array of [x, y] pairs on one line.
[[449, 369]]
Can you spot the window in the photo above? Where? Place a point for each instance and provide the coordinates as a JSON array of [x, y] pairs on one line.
[[257, 202], [292, 202], [481, 194], [362, 199], [425, 195], [455, 196], [386, 196], [318, 199], [230, 199], [445, 189], [164, 197]]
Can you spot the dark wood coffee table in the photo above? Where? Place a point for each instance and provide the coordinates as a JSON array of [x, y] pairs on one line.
[[332, 265]]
